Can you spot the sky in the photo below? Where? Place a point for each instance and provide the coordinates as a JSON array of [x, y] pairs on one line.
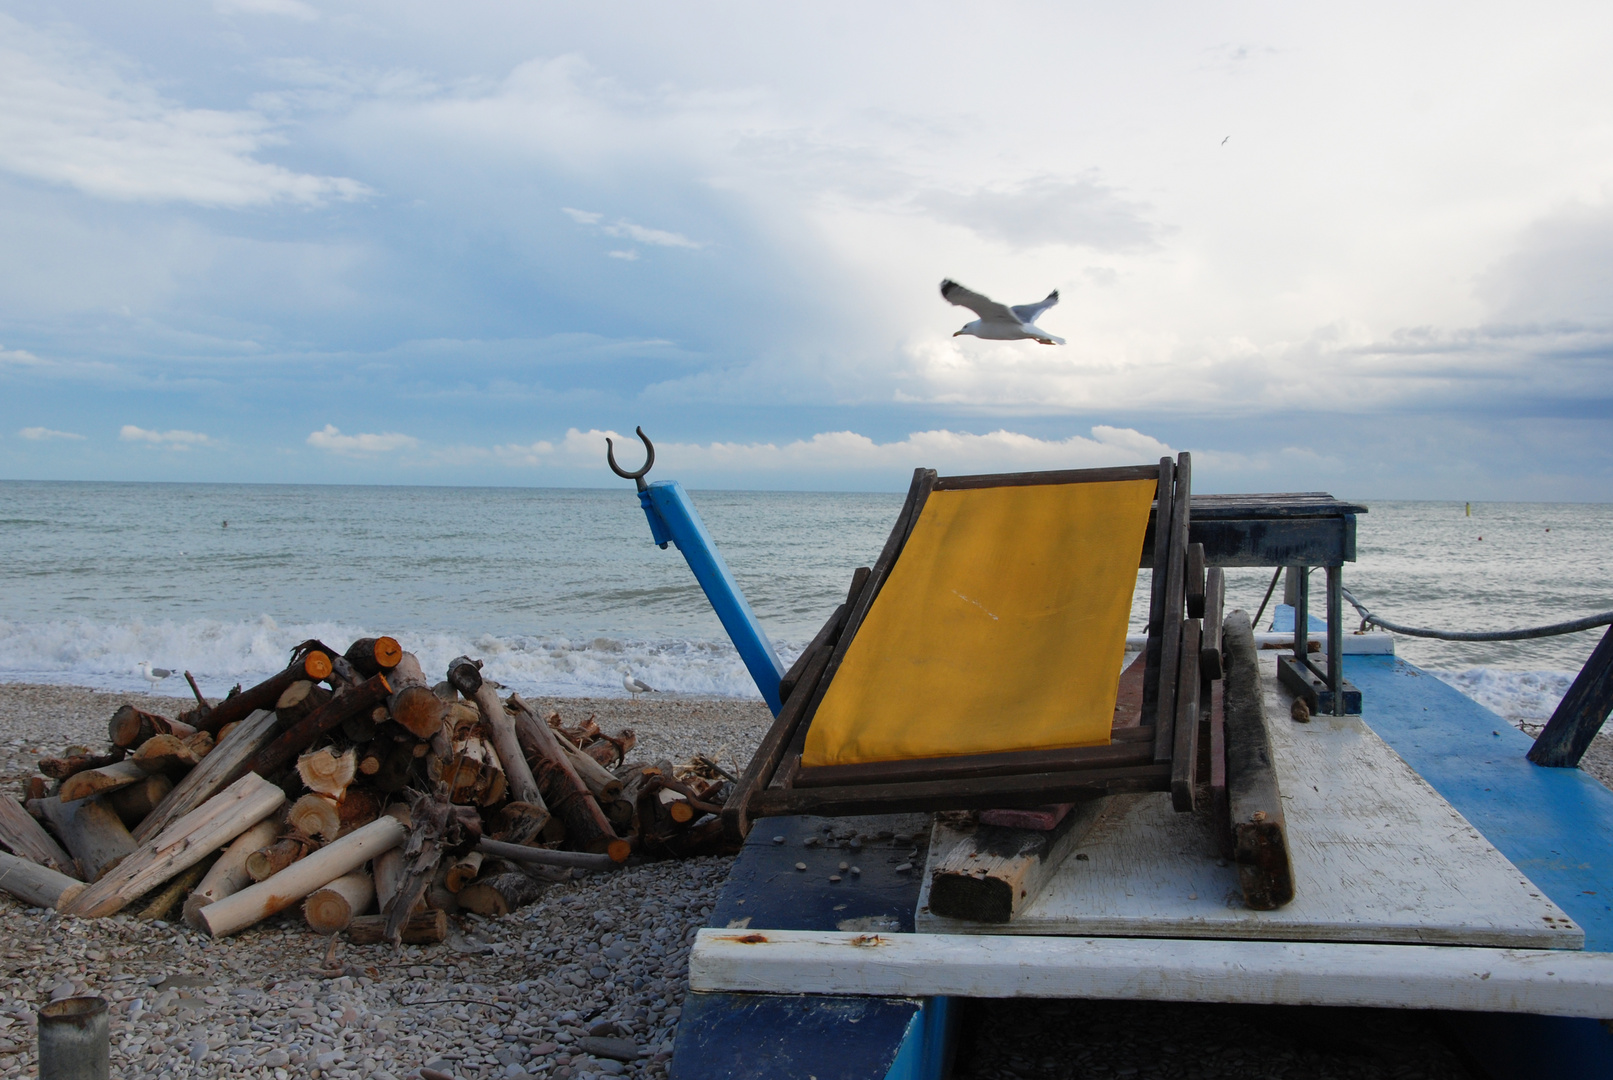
[[1364, 248]]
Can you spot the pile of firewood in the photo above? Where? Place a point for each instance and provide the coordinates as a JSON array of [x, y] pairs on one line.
[[350, 783]]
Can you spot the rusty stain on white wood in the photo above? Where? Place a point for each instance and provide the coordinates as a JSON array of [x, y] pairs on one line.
[[1546, 982]]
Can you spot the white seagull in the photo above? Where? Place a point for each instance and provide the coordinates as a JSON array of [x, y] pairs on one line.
[[999, 322], [153, 675], [636, 686]]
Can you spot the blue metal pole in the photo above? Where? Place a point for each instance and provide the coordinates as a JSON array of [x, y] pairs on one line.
[[673, 520]]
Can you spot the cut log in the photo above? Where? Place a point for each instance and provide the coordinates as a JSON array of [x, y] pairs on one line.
[[357, 809], [91, 831], [461, 718], [519, 822], [463, 871], [100, 781], [228, 873], [309, 661], [216, 770], [394, 757], [523, 786], [22, 834], [412, 703], [35, 787], [160, 905], [275, 856], [300, 698], [987, 873], [1259, 832], [257, 902], [563, 790], [536, 856], [35, 885], [181, 845], [473, 774], [370, 655], [334, 907], [328, 771], [129, 726], [388, 866], [348, 701], [166, 754], [315, 815], [134, 802], [501, 895], [601, 783], [611, 750], [422, 928], [63, 767]]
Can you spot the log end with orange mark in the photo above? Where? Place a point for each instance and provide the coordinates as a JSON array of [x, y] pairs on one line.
[[619, 850], [316, 665], [387, 653]]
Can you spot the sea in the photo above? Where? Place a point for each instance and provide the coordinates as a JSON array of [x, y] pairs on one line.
[[561, 591]]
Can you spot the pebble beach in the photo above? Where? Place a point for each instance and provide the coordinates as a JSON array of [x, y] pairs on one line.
[[588, 981]]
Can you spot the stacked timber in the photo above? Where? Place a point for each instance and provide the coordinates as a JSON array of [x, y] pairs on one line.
[[353, 787]]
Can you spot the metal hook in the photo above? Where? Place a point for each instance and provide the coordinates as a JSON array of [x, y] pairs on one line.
[[636, 477]]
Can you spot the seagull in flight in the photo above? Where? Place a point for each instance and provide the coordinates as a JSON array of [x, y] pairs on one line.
[[153, 675], [636, 686], [999, 322]]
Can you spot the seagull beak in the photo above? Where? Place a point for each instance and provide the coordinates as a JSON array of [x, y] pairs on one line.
[[957, 333]]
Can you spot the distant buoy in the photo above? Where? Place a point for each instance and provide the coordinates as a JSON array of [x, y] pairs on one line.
[[1469, 509]]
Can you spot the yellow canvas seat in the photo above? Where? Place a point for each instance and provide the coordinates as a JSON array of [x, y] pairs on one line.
[[1002, 627], [976, 663]]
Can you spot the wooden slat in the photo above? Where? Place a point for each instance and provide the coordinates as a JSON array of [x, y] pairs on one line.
[[1220, 809], [1550, 982], [824, 639], [1170, 638], [968, 766], [1185, 758], [1259, 829], [1156, 594], [1215, 598], [1581, 713], [25, 837], [1195, 586], [984, 793], [1035, 479]]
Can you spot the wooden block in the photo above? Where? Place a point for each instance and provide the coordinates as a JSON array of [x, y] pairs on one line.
[[1038, 819], [988, 874], [1215, 591], [92, 831], [1185, 758], [1259, 832]]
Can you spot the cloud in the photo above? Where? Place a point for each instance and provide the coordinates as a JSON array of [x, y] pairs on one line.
[[626, 230], [293, 9], [1046, 210], [70, 116], [629, 255], [842, 452], [172, 440], [42, 433], [330, 438]]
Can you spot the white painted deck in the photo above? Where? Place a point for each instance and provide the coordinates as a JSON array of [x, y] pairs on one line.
[[1546, 982], [1378, 855]]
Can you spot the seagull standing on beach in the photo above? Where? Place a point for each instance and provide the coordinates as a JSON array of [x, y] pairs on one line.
[[636, 686], [999, 322], [153, 675]]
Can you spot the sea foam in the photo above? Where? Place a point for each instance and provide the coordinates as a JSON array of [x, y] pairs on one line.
[[220, 654]]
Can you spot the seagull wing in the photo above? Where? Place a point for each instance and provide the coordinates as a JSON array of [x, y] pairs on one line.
[[1028, 313], [988, 310], [161, 672], [644, 686]]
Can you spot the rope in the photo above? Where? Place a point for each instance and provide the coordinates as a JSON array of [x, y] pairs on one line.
[[1589, 622]]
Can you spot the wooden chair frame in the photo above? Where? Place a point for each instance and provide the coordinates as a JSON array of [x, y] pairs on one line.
[[1159, 752]]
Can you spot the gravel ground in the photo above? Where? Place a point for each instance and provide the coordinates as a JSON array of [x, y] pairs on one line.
[[601, 957]]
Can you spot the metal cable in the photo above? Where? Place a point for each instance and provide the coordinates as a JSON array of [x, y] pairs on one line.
[[1589, 622]]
